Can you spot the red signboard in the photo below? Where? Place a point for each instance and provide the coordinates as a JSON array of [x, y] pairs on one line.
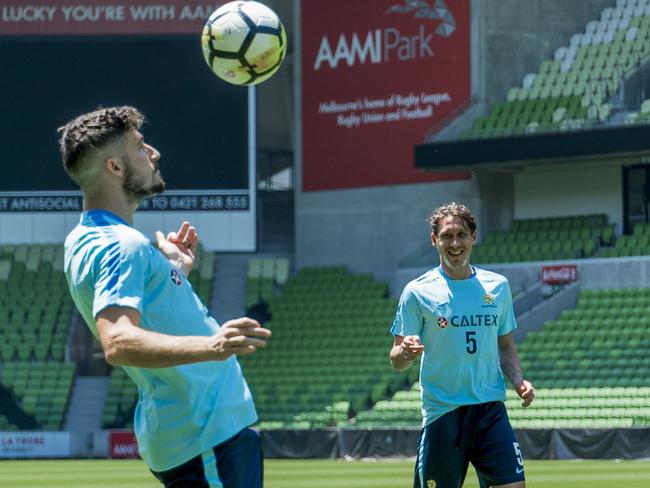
[[377, 75], [53, 17], [556, 275], [123, 445]]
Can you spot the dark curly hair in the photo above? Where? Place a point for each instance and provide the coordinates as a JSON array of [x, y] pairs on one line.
[[452, 209], [92, 131]]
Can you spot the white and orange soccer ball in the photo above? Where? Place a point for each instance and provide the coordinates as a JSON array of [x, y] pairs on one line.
[[244, 42]]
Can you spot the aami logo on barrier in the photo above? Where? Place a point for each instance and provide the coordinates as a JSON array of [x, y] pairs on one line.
[[122, 450], [383, 45], [123, 445]]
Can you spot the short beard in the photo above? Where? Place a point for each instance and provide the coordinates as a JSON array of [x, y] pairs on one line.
[[135, 188]]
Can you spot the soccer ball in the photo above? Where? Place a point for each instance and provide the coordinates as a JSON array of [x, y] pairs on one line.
[[244, 43]]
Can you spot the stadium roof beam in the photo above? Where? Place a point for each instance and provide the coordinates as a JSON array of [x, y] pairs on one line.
[[516, 151]]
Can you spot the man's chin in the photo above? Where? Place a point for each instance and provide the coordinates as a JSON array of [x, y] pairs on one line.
[[157, 189]]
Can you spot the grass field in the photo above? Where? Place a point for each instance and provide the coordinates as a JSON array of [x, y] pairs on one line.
[[319, 474]]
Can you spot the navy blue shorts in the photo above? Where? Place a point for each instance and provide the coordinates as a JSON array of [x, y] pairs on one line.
[[479, 434], [235, 463]]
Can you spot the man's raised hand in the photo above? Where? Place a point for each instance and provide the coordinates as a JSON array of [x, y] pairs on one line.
[[238, 337], [179, 247]]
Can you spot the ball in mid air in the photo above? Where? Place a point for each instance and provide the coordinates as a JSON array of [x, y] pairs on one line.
[[244, 42]]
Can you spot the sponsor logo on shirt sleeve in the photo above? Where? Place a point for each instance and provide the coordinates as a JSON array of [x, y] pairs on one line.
[[176, 277]]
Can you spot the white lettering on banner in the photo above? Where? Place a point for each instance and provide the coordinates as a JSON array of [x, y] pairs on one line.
[[395, 107], [333, 107], [34, 444], [153, 12], [379, 46], [83, 13], [198, 12], [350, 51], [28, 13], [407, 47], [105, 13], [349, 121]]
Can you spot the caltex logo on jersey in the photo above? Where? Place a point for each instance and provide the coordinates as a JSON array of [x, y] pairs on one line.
[[176, 277], [431, 484], [488, 299], [442, 322]]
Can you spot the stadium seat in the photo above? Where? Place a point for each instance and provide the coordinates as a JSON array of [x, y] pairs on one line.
[[264, 277], [313, 318], [202, 274], [545, 239], [35, 314], [587, 71]]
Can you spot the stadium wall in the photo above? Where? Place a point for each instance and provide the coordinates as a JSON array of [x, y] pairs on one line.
[[371, 229], [575, 189]]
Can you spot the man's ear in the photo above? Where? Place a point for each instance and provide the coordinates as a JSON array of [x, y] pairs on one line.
[[114, 166], [433, 239]]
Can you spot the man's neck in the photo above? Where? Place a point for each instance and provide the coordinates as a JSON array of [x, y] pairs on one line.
[[118, 206], [457, 274]]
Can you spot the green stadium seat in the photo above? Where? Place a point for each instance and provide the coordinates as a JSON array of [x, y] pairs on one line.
[[315, 311]]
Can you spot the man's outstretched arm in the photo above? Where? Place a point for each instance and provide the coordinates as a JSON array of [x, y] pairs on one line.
[[125, 343]]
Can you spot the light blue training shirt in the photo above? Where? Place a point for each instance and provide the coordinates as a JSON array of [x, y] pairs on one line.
[[459, 323], [182, 411]]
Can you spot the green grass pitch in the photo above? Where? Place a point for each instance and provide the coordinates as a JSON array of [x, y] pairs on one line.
[[318, 474]]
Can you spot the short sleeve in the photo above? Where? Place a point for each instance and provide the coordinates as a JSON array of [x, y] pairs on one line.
[[507, 321], [408, 319], [119, 272]]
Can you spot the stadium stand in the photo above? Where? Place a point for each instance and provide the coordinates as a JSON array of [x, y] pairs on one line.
[[571, 91], [546, 239], [402, 410], [35, 312], [329, 353], [264, 275], [120, 401], [598, 377], [636, 244], [202, 274]]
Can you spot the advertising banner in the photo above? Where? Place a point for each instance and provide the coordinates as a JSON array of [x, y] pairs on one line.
[[34, 444], [78, 17], [377, 76], [556, 275], [123, 445]]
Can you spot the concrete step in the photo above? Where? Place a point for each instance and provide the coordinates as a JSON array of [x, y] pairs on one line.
[[229, 287], [86, 403]]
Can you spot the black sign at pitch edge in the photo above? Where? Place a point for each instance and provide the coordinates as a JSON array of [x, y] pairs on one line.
[[166, 202]]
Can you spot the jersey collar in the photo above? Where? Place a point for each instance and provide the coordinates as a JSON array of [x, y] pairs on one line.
[[100, 217]]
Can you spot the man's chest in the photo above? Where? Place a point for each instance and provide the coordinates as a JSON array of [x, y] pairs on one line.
[[449, 310]]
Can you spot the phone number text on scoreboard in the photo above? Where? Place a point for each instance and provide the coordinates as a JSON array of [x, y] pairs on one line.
[[185, 201], [196, 202]]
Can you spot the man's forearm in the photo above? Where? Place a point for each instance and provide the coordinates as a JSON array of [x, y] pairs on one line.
[[134, 346], [510, 364]]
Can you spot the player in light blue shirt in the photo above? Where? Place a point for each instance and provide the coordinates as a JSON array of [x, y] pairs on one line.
[[194, 407], [459, 319]]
